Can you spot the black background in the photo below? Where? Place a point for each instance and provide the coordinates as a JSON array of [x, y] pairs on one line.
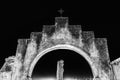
[[18, 21]]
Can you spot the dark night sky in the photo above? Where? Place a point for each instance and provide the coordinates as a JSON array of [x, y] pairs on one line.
[[20, 22]]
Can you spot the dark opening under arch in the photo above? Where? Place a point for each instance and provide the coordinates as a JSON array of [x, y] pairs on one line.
[[75, 65]]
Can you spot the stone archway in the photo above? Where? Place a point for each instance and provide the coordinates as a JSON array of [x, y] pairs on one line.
[[80, 52], [58, 36]]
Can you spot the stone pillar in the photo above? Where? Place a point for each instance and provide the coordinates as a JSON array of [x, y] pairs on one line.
[[60, 70]]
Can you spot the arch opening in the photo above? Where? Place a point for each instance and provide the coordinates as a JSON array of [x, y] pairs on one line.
[[75, 65]]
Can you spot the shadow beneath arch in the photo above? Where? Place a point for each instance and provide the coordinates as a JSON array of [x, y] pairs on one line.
[[75, 65]]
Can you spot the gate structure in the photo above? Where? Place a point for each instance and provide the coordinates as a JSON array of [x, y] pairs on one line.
[[61, 36]]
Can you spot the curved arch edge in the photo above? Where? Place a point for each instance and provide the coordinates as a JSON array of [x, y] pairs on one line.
[[69, 47]]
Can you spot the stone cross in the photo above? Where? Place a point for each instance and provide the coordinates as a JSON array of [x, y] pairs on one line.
[[61, 11], [60, 70]]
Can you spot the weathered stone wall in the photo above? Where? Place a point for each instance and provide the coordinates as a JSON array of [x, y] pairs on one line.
[[18, 67]]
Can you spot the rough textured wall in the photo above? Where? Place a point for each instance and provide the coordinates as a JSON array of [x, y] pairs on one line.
[[17, 67]]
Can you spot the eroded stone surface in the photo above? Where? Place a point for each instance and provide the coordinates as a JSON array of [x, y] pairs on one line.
[[95, 50], [116, 68]]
